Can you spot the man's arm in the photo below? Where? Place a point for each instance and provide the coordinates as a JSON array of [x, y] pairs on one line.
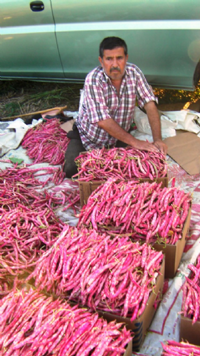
[[110, 126], [154, 121]]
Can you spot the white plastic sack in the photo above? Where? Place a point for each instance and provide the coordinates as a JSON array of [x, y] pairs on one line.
[[171, 121], [81, 99], [73, 114], [141, 136], [187, 120], [168, 127], [12, 133]]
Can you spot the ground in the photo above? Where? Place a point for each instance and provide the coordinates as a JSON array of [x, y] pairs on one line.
[[23, 97]]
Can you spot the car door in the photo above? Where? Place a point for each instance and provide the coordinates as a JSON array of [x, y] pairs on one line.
[[163, 36], [28, 47]]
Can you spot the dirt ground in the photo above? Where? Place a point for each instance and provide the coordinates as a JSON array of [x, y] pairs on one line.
[[23, 97]]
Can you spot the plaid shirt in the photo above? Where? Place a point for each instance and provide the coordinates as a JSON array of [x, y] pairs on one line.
[[102, 102]]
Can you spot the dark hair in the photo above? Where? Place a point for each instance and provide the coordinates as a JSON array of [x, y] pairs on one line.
[[111, 43]]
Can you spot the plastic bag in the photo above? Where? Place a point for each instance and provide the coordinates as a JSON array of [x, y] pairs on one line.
[[187, 120], [141, 136], [12, 134], [171, 121], [168, 127]]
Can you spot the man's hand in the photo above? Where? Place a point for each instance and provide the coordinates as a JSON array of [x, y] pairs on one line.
[[116, 131], [144, 145], [161, 146], [154, 120]]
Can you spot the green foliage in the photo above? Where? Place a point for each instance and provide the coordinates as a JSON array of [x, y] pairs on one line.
[[23, 97], [177, 96]]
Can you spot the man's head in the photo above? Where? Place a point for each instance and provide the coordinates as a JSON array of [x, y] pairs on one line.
[[111, 43], [113, 57]]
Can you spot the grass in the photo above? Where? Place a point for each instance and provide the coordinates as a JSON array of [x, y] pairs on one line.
[[23, 97], [12, 108]]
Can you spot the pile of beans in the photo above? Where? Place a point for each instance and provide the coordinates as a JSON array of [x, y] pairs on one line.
[[142, 211], [120, 163]]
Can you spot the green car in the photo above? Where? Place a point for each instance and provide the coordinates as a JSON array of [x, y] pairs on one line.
[[58, 40]]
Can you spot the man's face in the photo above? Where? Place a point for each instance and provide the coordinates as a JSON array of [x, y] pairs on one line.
[[114, 62]]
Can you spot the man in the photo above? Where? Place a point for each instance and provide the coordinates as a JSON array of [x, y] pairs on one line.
[[107, 111]]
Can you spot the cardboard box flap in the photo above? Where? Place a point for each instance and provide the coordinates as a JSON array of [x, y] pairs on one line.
[[68, 125], [185, 150]]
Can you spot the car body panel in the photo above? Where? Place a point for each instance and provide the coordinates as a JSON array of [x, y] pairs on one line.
[[28, 45], [61, 42]]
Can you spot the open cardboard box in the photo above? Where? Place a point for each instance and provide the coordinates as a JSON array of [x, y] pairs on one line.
[[173, 253], [189, 332], [128, 351], [86, 188], [140, 325]]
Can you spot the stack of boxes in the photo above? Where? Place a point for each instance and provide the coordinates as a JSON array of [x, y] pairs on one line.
[[173, 254]]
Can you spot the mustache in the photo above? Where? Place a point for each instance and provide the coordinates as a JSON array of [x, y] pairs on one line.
[[115, 68]]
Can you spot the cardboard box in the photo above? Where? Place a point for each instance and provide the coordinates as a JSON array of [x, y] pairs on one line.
[[86, 188], [173, 253], [129, 346], [128, 351], [184, 148], [140, 325], [189, 332], [68, 125]]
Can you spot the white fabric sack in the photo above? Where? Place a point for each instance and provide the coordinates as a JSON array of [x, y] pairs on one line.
[[12, 134]]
